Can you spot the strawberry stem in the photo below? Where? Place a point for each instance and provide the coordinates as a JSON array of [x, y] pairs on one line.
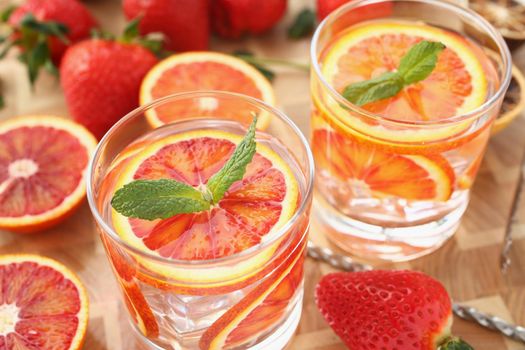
[[274, 61], [454, 343]]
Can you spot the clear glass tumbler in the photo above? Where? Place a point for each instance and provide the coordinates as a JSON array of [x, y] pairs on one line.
[[388, 185], [181, 291]]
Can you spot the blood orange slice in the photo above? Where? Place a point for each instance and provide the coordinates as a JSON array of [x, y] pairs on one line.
[[252, 211], [381, 175], [259, 309], [193, 71], [134, 300], [457, 85], [43, 305], [43, 160]]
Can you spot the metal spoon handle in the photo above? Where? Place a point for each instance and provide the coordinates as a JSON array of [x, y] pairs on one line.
[[465, 312]]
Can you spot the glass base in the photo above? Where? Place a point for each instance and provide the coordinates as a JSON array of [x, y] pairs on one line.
[[278, 340], [373, 242]]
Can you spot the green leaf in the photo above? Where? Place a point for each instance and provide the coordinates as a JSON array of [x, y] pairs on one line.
[[51, 68], [235, 167], [36, 58], [303, 25], [2, 102], [419, 62], [387, 85], [47, 28], [132, 30], [5, 49], [249, 58], [454, 343], [158, 199], [6, 14]]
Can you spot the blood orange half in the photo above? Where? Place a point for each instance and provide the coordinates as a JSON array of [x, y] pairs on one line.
[[43, 305], [194, 71], [379, 174], [43, 160], [457, 85], [252, 211]]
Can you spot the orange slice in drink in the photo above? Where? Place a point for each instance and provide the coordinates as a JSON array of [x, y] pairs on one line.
[[134, 300], [192, 71], [259, 309], [457, 85], [251, 213], [43, 161], [43, 305], [381, 175]]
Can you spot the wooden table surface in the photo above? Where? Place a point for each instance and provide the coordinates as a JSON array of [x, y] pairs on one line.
[[468, 264]]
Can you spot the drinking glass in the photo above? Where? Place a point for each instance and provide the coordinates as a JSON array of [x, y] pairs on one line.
[[251, 299], [348, 204]]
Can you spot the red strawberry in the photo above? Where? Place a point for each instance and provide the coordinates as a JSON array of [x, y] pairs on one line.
[[101, 81], [371, 11], [388, 310], [233, 18], [37, 18], [185, 23]]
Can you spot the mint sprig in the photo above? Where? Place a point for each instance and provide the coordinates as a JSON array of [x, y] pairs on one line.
[[235, 167], [164, 198], [416, 65], [158, 199]]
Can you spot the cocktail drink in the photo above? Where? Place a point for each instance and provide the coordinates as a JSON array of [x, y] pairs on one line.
[[205, 259], [404, 96]]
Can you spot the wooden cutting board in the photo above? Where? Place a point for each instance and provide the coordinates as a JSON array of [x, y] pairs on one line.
[[468, 264]]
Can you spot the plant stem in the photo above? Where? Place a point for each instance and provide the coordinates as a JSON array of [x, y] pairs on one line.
[[275, 61]]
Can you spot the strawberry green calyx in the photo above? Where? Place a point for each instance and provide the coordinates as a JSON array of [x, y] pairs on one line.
[[454, 343], [32, 36], [153, 42]]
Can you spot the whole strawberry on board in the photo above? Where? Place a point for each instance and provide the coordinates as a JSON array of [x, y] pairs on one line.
[[184, 23], [43, 29], [372, 11], [101, 78], [388, 310], [233, 18]]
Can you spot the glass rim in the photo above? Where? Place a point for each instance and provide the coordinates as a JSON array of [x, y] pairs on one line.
[[108, 230], [504, 52]]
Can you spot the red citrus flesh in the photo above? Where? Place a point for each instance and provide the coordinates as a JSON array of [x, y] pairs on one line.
[[194, 71], [383, 174], [42, 305], [42, 164], [259, 309], [250, 209]]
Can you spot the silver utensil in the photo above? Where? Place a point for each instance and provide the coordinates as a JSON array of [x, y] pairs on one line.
[[465, 312], [505, 260]]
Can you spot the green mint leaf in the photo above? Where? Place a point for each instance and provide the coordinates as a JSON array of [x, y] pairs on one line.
[[303, 25], [2, 102], [158, 199], [419, 62], [235, 167], [249, 58], [387, 85]]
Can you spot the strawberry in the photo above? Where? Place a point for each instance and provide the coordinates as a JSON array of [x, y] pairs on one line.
[[233, 18], [43, 29], [389, 310], [101, 80], [185, 23], [371, 11]]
